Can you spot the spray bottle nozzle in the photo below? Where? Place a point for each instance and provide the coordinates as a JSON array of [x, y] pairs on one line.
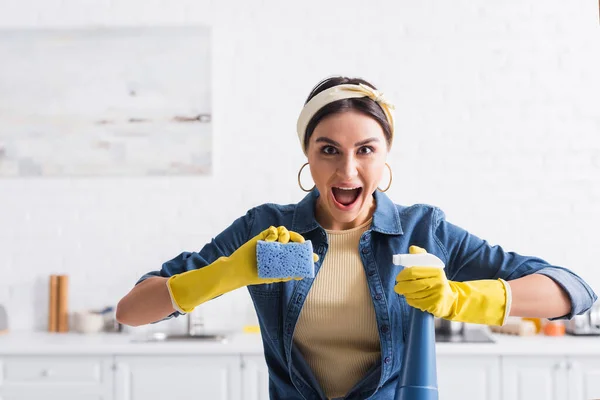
[[421, 259]]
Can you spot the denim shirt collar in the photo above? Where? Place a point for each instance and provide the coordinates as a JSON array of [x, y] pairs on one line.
[[386, 218]]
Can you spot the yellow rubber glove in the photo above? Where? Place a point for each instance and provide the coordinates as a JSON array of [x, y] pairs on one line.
[[479, 302], [192, 288]]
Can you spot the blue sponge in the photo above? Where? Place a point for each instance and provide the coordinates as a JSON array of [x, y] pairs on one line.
[[289, 260]]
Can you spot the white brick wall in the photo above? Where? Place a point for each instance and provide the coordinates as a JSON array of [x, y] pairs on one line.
[[498, 124]]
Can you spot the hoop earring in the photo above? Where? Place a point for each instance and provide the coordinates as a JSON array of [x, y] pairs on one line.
[[300, 183], [391, 178]]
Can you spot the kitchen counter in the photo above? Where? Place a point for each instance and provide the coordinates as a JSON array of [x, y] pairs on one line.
[[43, 343], [538, 345], [121, 343]]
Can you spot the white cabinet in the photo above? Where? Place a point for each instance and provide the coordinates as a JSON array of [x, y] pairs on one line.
[[255, 378], [583, 378], [53, 393], [154, 377], [534, 377], [245, 377], [56, 377], [557, 377], [468, 377]]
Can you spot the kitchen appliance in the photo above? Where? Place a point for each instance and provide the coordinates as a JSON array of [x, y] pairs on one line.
[[467, 336], [418, 375], [586, 324], [456, 332], [447, 327]]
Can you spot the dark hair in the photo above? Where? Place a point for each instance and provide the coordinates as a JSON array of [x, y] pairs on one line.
[[364, 105]]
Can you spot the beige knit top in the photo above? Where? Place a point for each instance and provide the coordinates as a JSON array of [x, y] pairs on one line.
[[337, 329]]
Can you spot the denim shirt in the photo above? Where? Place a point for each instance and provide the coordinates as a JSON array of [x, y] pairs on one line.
[[394, 228]]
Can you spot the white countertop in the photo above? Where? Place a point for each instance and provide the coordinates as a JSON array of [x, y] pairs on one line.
[[41, 343], [538, 345], [23, 343]]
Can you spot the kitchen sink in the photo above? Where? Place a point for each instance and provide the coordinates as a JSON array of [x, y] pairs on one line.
[[171, 337]]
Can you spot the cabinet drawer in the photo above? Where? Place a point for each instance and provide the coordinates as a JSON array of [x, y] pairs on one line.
[[27, 370], [50, 394]]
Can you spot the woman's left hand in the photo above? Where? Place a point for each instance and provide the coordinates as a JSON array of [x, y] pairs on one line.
[[428, 289]]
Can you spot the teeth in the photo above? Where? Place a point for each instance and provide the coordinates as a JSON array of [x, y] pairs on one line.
[[349, 188]]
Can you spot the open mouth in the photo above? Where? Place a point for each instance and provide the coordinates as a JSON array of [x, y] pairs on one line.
[[345, 197]]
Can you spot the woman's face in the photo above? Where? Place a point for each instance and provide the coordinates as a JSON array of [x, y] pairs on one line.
[[347, 153]]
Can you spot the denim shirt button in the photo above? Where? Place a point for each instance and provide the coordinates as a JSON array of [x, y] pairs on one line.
[[377, 296], [372, 272], [385, 329], [387, 360], [365, 250]]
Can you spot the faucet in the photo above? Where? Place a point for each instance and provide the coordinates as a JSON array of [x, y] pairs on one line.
[[195, 323]]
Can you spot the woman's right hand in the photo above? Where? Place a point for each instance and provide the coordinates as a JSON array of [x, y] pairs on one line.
[[192, 288], [243, 260]]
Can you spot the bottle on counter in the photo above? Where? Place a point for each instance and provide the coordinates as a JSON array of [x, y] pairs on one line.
[[554, 328], [537, 322]]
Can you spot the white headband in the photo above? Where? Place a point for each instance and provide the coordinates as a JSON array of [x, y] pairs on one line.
[[340, 92]]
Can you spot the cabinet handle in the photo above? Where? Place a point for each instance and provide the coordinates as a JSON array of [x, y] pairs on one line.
[[556, 366], [560, 365]]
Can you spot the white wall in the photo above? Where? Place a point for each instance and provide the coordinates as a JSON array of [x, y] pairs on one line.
[[498, 124]]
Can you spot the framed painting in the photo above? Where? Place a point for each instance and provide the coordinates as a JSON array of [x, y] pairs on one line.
[[105, 102]]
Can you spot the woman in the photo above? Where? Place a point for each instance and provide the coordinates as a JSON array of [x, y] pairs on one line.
[[342, 333]]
